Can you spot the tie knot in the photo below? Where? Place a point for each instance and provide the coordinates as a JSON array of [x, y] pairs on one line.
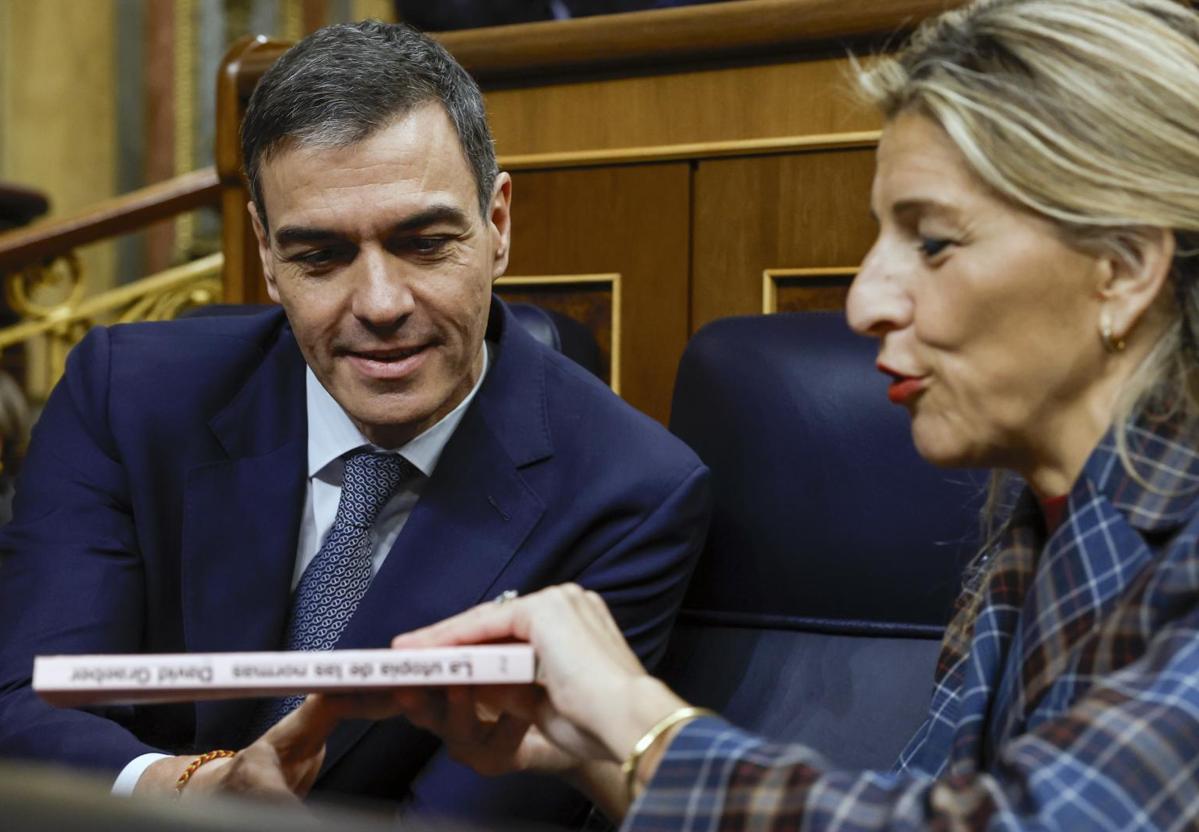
[[369, 481]]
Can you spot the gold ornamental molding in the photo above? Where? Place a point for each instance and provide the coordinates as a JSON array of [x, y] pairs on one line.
[[26, 289], [612, 281], [63, 324], [184, 286], [693, 150], [772, 279]]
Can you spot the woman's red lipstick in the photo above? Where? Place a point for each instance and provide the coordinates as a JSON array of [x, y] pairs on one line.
[[901, 391], [903, 388]]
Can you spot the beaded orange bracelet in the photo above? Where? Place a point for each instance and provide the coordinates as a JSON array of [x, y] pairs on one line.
[[195, 764]]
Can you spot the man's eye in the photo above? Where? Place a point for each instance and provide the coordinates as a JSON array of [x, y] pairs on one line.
[[425, 246], [320, 258], [932, 246]]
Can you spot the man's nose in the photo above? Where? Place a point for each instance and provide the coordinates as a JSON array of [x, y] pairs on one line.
[[878, 298], [382, 294]]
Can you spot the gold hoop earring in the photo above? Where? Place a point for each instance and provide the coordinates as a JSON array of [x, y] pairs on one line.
[[1111, 342]]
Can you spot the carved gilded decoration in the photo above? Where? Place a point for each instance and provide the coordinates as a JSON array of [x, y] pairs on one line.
[[58, 323]]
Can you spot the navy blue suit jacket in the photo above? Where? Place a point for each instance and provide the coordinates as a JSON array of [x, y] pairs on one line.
[[160, 506]]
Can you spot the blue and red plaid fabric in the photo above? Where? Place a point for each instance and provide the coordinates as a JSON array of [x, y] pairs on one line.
[[1066, 695]]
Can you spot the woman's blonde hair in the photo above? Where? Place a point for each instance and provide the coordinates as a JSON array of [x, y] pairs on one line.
[[1085, 112]]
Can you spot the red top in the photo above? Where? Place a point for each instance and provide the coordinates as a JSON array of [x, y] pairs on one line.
[[1054, 511]]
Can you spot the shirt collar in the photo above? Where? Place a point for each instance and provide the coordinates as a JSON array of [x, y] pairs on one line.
[[331, 433], [1165, 491]]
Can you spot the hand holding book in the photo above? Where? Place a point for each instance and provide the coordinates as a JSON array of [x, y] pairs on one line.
[[592, 705], [586, 705], [286, 759]]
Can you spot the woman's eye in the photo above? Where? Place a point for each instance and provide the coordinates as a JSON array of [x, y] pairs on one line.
[[932, 246]]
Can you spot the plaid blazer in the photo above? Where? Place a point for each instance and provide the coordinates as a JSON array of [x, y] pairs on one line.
[[1066, 693]]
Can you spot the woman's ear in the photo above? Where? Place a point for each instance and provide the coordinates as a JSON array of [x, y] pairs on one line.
[[1133, 280]]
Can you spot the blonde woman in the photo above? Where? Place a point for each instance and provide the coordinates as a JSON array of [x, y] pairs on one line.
[[1033, 290]]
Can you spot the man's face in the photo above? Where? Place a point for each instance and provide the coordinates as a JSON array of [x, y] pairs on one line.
[[379, 255]]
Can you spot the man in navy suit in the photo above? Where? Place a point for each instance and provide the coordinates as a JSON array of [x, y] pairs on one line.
[[183, 476]]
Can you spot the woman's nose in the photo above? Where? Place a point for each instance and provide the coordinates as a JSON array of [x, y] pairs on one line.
[[878, 301]]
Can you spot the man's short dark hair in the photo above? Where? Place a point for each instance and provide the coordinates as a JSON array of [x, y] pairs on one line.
[[342, 83]]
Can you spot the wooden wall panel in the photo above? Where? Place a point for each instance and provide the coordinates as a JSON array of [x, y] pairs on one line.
[[633, 221], [809, 210], [752, 102], [675, 39]]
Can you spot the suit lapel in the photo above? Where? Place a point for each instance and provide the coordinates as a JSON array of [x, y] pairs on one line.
[[472, 517], [474, 514], [241, 525]]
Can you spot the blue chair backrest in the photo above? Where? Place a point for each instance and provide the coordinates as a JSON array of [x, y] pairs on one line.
[[835, 551], [563, 333]]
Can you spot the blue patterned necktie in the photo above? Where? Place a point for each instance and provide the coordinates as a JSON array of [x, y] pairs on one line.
[[335, 581]]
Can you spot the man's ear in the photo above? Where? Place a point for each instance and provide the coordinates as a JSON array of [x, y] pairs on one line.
[[264, 252], [1131, 285], [500, 223]]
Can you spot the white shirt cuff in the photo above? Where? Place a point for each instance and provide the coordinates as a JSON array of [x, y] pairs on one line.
[[132, 772]]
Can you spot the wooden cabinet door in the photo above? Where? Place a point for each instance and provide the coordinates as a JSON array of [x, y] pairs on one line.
[[779, 233], [626, 229]]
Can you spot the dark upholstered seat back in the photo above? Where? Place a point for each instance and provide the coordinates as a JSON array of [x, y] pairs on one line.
[[835, 551], [563, 333]]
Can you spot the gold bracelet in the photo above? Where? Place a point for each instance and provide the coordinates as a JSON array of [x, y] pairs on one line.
[[628, 769], [195, 764]]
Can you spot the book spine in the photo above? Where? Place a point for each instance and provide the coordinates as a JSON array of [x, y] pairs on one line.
[[351, 669]]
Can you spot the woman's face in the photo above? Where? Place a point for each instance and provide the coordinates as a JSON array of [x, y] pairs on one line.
[[988, 323]]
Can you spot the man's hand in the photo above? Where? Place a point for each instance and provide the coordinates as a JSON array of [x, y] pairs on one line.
[[281, 764], [490, 728]]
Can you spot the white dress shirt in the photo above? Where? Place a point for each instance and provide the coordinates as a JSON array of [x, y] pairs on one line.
[[332, 435]]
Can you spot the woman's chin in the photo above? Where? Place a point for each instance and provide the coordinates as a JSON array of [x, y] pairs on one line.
[[940, 447]]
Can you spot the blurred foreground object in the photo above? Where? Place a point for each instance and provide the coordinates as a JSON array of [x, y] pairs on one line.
[[37, 798]]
